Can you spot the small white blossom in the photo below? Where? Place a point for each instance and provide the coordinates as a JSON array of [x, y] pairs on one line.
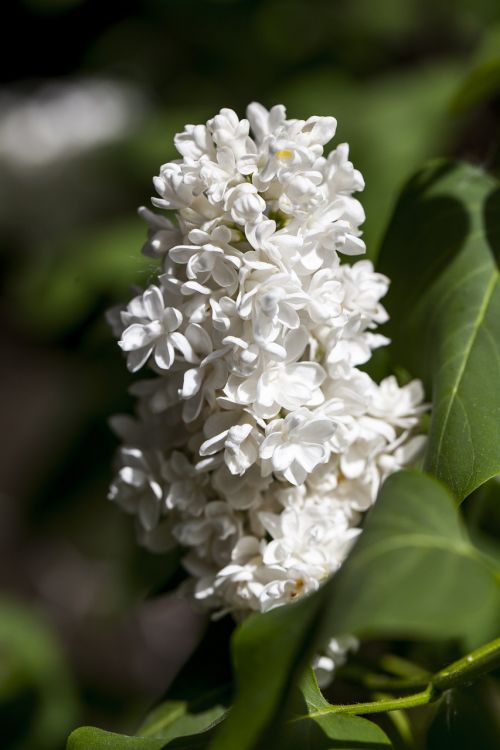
[[333, 656], [151, 328], [138, 487], [210, 257], [294, 446], [245, 204]]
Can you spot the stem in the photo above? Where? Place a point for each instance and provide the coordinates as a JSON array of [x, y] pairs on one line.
[[461, 672], [374, 707], [401, 724], [470, 667]]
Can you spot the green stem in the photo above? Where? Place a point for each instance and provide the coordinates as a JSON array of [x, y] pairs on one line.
[[385, 704], [470, 667], [461, 672]]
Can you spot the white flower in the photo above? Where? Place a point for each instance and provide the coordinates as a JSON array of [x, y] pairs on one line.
[[398, 406], [275, 245], [363, 289], [258, 442], [187, 489], [162, 234], [264, 122], [325, 296], [201, 383], [152, 329], [245, 204], [271, 301], [210, 257], [213, 534], [278, 385], [230, 132], [194, 143], [139, 487], [333, 656], [236, 435], [176, 192], [243, 491], [294, 446], [306, 536]]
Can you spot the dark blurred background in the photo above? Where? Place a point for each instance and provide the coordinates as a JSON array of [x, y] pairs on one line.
[[91, 94]]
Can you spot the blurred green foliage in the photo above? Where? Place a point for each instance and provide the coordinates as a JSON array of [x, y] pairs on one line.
[[37, 693]]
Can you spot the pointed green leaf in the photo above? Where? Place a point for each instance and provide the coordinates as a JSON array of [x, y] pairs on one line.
[[170, 727], [414, 571], [173, 719], [442, 253], [90, 738], [308, 730], [170, 723]]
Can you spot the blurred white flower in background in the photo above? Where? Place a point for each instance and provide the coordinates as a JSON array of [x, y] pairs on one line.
[[64, 119], [274, 443]]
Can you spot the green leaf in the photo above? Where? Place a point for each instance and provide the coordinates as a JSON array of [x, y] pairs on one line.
[[269, 654], [169, 726], [198, 741], [309, 731], [441, 252], [174, 719], [90, 738], [162, 717], [413, 573]]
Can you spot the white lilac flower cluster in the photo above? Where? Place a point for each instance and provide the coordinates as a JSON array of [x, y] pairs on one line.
[[258, 442]]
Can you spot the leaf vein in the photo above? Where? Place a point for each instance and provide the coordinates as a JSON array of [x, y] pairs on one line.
[[466, 354]]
